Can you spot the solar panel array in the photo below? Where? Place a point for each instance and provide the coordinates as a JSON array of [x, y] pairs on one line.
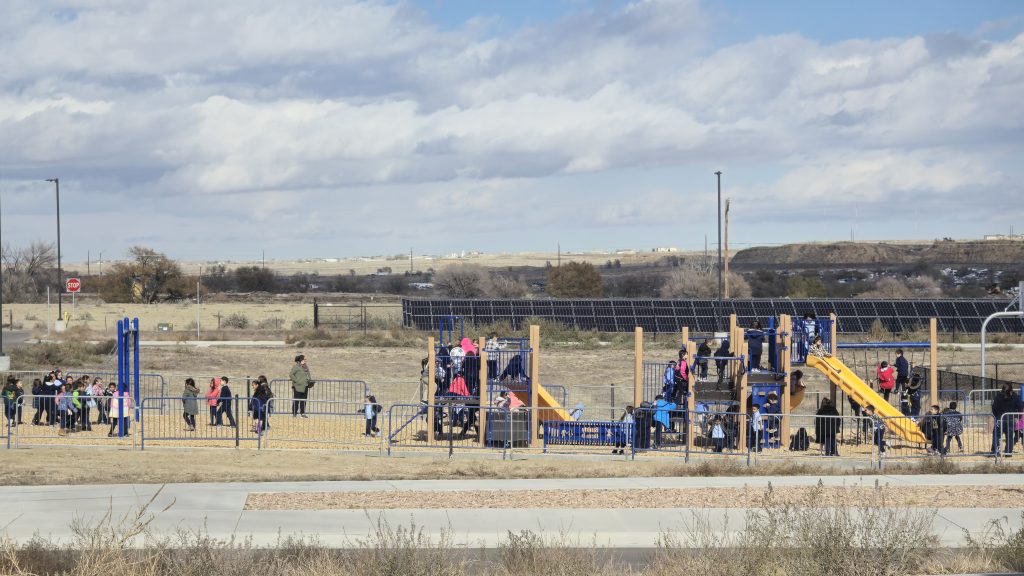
[[855, 316]]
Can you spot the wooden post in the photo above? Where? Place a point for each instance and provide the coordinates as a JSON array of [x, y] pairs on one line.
[[638, 366], [735, 342], [691, 354], [431, 387], [834, 335], [484, 396], [933, 369], [783, 340], [534, 384], [686, 336], [741, 397]]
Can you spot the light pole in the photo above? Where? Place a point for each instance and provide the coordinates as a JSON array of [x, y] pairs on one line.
[[60, 271], [719, 175], [2, 289]]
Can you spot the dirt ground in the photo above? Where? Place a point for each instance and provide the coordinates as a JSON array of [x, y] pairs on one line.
[[66, 466], [748, 497]]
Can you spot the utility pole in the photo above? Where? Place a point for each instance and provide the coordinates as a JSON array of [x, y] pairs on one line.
[[263, 259], [411, 270], [559, 254], [726, 248], [720, 287], [88, 262], [199, 280], [101, 264]]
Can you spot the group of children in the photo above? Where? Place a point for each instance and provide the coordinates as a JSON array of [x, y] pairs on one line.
[[68, 403]]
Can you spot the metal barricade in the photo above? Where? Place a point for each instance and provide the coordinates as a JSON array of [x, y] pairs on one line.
[[328, 424], [230, 422], [1010, 432], [87, 424], [981, 400], [325, 394], [588, 433], [449, 424], [715, 433], [150, 385], [947, 435], [651, 433], [822, 436]]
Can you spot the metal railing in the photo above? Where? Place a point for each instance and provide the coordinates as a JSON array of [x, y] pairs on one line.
[[330, 424], [150, 385], [949, 435], [88, 426], [231, 422], [1010, 431], [325, 394], [450, 425]]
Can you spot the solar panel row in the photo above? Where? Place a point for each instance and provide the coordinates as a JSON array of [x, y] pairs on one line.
[[855, 316]]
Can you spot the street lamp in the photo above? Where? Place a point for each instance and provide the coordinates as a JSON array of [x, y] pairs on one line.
[[719, 174], [60, 271]]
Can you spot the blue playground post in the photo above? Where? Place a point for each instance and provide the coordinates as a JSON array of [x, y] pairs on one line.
[[127, 369]]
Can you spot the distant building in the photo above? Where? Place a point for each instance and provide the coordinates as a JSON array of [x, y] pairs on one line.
[[625, 252], [1017, 237], [666, 249]]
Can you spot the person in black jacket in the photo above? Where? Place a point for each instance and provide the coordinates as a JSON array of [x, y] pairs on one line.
[[1006, 402], [722, 352], [224, 404], [933, 426], [827, 426], [902, 370], [703, 351]]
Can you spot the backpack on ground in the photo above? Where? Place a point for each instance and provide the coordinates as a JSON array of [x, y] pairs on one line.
[[800, 441]]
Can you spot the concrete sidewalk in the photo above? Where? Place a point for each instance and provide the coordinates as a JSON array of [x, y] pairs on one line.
[[218, 509]]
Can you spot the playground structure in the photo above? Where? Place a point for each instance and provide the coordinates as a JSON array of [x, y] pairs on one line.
[[514, 369], [787, 345], [128, 369]]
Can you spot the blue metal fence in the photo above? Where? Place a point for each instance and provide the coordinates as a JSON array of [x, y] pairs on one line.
[[231, 422], [324, 395]]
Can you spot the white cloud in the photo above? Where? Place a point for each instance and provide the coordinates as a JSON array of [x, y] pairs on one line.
[[256, 107]]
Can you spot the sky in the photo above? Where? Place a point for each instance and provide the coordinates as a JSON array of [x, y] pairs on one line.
[[331, 128]]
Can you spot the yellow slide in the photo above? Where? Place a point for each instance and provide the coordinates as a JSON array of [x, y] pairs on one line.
[[854, 387], [550, 408]]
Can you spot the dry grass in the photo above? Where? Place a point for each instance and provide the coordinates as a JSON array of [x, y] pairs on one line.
[[39, 466], [819, 535]]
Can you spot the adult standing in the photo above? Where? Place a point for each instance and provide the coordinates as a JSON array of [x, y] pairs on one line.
[[301, 382], [827, 425], [190, 404], [1006, 402]]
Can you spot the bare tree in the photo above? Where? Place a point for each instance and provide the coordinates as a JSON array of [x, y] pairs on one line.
[[147, 277], [915, 287], [463, 281], [28, 270], [507, 287], [702, 283]]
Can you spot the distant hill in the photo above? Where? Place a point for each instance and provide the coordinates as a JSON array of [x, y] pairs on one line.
[[938, 253]]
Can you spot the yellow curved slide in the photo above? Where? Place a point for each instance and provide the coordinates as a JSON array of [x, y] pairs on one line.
[[549, 408], [854, 387]]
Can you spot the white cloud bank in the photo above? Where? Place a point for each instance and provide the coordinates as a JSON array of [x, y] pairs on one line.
[[208, 120]]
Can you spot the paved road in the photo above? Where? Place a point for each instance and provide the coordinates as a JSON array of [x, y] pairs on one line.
[[219, 508]]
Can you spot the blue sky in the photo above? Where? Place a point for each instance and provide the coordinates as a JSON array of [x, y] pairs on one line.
[[327, 128]]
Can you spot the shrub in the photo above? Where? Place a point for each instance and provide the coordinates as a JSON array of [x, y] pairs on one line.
[[301, 324], [465, 281], [235, 320]]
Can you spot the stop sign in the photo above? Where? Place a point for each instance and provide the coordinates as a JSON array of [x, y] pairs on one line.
[[73, 285]]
